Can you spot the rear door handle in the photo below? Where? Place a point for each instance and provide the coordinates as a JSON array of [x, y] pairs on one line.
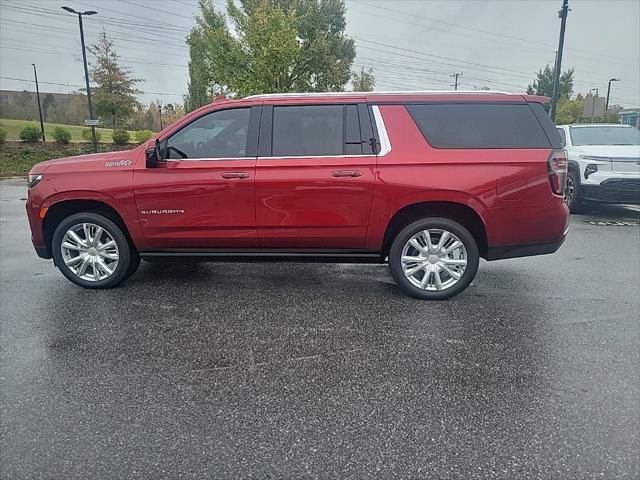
[[235, 175], [346, 173]]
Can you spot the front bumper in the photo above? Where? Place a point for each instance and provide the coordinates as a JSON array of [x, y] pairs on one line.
[[42, 251], [613, 190]]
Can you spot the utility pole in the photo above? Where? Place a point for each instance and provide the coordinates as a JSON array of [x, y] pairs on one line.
[[455, 75], [35, 74], [593, 103], [606, 105], [160, 113], [86, 71], [562, 14]]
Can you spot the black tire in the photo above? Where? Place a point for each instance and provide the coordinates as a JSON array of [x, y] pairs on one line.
[[572, 193], [395, 254], [126, 254]]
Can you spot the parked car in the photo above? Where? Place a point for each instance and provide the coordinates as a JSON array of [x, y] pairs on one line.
[[604, 164], [430, 182]]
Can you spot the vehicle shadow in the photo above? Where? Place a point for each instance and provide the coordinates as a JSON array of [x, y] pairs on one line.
[[605, 212]]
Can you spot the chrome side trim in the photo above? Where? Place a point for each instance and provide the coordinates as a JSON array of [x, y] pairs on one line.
[[385, 143], [314, 156]]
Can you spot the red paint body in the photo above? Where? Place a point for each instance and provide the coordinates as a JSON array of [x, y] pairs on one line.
[[294, 203]]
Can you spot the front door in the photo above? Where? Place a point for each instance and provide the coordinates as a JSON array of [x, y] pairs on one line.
[[314, 177], [202, 194]]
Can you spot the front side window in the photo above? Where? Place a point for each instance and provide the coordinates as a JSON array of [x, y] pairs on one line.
[[221, 134], [605, 135], [310, 130]]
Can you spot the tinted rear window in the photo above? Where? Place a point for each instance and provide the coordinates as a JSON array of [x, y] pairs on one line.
[[313, 130], [479, 125]]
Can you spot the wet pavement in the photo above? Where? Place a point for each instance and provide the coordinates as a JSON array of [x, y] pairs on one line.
[[324, 371]]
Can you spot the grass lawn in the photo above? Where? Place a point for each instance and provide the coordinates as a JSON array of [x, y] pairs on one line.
[[13, 128], [17, 158]]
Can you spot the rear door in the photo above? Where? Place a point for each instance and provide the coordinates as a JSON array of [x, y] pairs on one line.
[[314, 176], [202, 194]]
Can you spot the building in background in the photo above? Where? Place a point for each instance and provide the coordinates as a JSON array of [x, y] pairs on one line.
[[630, 116]]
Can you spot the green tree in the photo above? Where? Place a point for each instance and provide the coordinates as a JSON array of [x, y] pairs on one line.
[[543, 84], [114, 96], [364, 81], [569, 110], [48, 105], [268, 46]]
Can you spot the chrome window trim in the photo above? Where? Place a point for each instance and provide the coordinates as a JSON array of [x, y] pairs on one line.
[[383, 136], [203, 159], [315, 156], [385, 143]]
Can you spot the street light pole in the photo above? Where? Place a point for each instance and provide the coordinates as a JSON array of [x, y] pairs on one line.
[[606, 105], [86, 70], [556, 77], [35, 74]]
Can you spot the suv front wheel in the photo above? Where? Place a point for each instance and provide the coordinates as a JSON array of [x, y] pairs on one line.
[[572, 193], [434, 258], [92, 251]]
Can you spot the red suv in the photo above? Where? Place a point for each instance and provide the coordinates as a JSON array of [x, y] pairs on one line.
[[429, 181]]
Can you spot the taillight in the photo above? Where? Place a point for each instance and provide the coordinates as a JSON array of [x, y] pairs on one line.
[[557, 168]]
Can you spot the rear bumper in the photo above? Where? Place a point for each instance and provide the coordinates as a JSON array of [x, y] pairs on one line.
[[524, 250], [613, 190]]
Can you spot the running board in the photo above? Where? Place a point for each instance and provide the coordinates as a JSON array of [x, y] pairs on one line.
[[266, 255]]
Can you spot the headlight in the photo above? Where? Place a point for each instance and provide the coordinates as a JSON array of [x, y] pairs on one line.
[[590, 170], [34, 180]]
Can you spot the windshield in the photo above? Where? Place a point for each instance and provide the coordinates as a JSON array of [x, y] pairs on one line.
[[605, 135]]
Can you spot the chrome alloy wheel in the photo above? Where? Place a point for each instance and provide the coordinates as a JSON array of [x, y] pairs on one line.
[[434, 259], [90, 252]]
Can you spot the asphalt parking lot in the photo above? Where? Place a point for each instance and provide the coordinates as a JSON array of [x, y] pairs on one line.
[[324, 371]]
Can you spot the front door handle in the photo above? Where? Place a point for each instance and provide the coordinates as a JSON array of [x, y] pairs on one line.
[[235, 175], [346, 173]]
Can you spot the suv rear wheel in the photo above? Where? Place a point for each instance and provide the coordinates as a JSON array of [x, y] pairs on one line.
[[92, 251], [434, 258]]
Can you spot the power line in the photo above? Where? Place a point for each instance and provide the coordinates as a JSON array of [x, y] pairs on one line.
[[502, 35], [82, 86]]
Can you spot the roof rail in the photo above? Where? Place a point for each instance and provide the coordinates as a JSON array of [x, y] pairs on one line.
[[393, 92]]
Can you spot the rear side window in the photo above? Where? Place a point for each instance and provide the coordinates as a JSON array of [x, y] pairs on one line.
[[310, 130], [479, 125]]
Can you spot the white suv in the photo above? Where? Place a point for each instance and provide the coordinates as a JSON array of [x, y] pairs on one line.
[[604, 164]]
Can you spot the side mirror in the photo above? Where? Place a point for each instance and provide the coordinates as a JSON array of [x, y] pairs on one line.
[[153, 155]]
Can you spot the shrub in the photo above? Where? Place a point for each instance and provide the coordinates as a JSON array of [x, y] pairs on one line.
[[120, 137], [61, 135], [86, 135], [3, 135], [30, 134], [143, 135]]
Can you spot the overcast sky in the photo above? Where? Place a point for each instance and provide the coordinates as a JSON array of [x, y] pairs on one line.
[[410, 44]]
